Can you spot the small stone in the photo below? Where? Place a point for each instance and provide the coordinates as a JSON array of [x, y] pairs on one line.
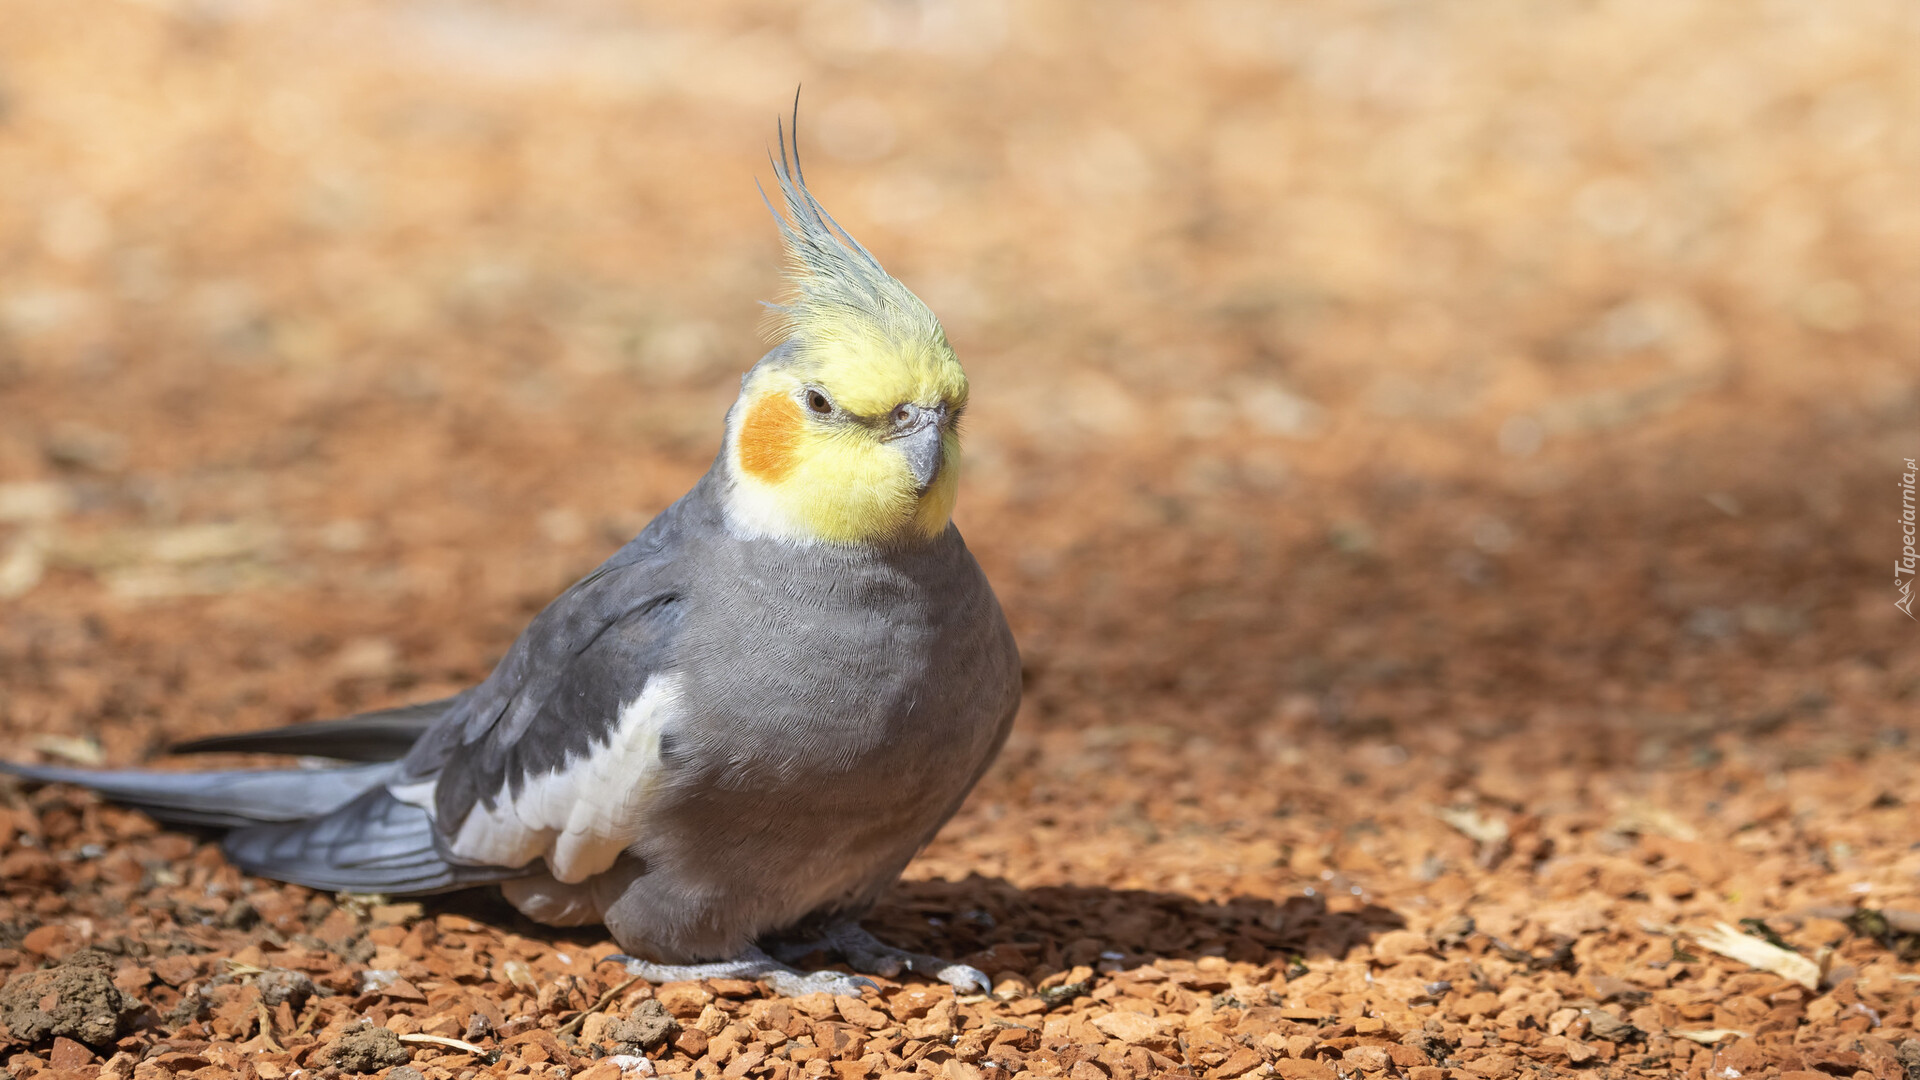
[[1241, 1061], [733, 988], [68, 1054], [938, 1023], [1087, 1070], [1371, 1058], [817, 1005], [1609, 988], [691, 1042], [1407, 1057], [52, 940], [1428, 1046], [1492, 1067], [713, 1019], [1454, 932], [1128, 1027], [406, 1072], [1396, 945], [1303, 1069], [1605, 1025], [683, 999], [856, 1011], [594, 1028]]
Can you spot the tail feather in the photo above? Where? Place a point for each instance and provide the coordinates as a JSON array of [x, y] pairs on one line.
[[334, 829], [226, 799], [386, 735], [376, 843]]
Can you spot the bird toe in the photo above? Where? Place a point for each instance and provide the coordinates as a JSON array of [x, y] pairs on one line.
[[836, 983], [965, 979]]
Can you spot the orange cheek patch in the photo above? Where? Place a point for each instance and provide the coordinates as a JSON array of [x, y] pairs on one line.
[[770, 437]]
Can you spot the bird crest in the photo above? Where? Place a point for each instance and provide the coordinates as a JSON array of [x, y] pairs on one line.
[[846, 315]]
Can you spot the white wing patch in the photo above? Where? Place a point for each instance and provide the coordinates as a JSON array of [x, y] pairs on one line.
[[581, 816]]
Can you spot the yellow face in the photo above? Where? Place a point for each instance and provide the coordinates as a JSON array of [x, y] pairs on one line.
[[849, 441]]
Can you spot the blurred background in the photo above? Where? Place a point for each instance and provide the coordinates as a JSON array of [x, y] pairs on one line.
[[1377, 404]]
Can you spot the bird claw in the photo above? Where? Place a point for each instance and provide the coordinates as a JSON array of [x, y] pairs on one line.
[[965, 979], [751, 964], [890, 963], [861, 950], [864, 952]]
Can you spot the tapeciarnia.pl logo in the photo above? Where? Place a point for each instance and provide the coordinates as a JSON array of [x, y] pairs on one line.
[[1904, 565]]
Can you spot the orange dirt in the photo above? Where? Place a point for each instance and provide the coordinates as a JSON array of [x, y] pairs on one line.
[[1442, 464]]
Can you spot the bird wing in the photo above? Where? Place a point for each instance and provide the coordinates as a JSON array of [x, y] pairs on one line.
[[569, 785], [550, 757], [547, 757]]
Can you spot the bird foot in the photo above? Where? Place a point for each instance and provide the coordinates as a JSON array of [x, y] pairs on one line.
[[865, 952], [751, 964]]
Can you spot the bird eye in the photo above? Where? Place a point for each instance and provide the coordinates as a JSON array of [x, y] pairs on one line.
[[818, 402]]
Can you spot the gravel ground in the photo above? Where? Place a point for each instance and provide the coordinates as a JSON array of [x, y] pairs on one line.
[[1442, 463]]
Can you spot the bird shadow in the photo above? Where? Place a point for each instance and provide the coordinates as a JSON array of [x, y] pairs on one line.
[[998, 926]]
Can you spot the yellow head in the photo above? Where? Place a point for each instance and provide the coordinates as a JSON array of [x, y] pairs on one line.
[[847, 432]]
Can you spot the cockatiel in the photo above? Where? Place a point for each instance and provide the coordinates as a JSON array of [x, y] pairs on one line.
[[733, 735]]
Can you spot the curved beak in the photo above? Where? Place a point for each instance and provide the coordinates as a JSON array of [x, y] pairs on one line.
[[920, 441]]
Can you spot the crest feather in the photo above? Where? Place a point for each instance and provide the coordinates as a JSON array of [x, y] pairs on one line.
[[841, 293]]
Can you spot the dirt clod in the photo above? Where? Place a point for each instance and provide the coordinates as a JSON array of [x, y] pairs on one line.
[[292, 987], [191, 1006], [648, 1026], [366, 1050], [239, 915], [75, 999]]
